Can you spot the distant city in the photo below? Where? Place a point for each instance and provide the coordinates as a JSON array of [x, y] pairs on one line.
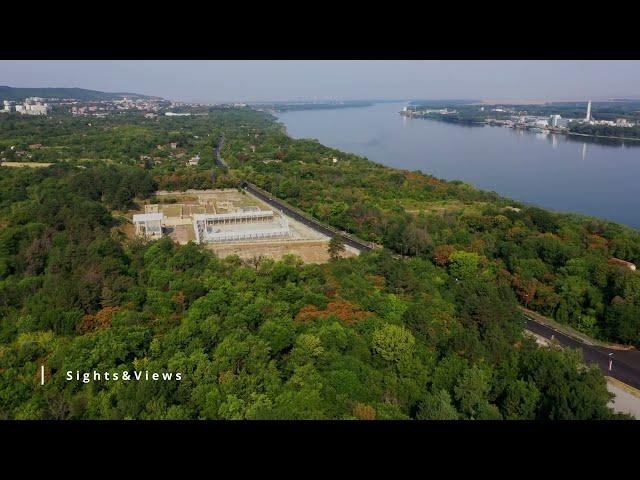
[[30, 106], [150, 107], [515, 118]]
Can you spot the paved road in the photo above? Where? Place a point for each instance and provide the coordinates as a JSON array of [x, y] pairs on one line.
[[361, 246], [266, 197], [626, 363], [219, 160]]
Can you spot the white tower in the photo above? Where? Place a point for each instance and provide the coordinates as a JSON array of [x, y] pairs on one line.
[[588, 117]]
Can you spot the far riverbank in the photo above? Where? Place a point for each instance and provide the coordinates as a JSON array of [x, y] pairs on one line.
[[568, 173], [491, 124]]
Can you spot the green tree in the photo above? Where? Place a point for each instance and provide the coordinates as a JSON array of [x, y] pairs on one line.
[[463, 265], [336, 247], [393, 343], [437, 406]]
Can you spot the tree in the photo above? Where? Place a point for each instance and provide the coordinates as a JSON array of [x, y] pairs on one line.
[[393, 343], [437, 406], [520, 400], [463, 265], [336, 247], [472, 389], [442, 253], [364, 412]]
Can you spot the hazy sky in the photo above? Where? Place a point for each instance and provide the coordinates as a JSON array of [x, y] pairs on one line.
[[218, 81]]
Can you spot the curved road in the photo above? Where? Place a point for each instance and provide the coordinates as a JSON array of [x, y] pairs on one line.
[[219, 160], [625, 363]]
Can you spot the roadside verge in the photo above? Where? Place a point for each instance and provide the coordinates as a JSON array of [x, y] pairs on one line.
[[571, 332]]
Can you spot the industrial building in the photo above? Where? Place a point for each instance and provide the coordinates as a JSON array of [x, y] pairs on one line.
[[148, 224], [212, 220], [229, 222], [242, 225]]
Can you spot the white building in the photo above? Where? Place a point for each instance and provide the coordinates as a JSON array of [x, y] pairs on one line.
[[148, 224], [243, 225], [33, 106], [554, 121], [623, 122]]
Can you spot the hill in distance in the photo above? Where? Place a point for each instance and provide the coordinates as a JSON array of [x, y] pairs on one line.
[[17, 94]]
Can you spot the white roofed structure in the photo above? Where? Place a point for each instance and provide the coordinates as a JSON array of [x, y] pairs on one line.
[[242, 225], [148, 224]]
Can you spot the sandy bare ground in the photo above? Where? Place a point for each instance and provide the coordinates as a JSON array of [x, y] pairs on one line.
[[25, 164], [309, 251]]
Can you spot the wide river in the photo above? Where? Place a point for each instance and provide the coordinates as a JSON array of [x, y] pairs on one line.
[[563, 173]]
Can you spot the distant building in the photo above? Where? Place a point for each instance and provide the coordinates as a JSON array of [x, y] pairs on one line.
[[554, 121], [588, 117], [194, 160], [174, 145], [623, 122], [32, 106]]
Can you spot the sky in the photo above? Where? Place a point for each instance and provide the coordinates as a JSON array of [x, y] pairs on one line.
[[212, 81]]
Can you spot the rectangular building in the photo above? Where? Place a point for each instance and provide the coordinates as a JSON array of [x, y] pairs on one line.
[[148, 224]]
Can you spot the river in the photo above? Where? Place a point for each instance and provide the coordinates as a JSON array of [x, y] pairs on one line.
[[564, 173]]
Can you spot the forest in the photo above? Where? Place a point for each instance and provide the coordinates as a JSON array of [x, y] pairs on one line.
[[434, 334], [606, 130], [557, 264]]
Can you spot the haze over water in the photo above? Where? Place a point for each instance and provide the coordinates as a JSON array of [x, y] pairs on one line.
[[563, 173]]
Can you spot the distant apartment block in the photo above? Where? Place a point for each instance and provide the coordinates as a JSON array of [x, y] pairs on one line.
[[31, 106]]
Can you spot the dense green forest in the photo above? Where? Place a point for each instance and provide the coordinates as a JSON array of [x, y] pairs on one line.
[[605, 130], [433, 335]]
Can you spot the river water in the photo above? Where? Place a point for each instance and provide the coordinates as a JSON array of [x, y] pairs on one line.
[[564, 173]]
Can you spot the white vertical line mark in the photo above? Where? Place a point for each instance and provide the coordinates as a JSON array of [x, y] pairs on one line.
[[41, 374]]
